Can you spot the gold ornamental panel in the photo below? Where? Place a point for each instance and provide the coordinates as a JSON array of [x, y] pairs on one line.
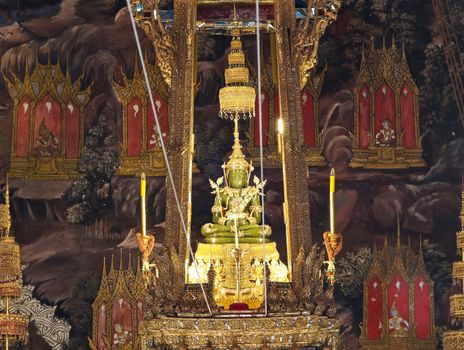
[[276, 332], [237, 98], [458, 269], [236, 58], [10, 289], [14, 326], [453, 340], [9, 265], [236, 75], [457, 305], [460, 239]]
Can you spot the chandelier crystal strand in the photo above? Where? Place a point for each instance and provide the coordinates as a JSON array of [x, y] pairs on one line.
[[168, 167], [261, 156]]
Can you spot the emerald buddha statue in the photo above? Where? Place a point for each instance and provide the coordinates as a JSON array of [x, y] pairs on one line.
[[237, 209]]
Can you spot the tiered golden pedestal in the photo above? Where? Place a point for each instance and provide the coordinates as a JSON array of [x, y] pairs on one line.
[[454, 340], [12, 327]]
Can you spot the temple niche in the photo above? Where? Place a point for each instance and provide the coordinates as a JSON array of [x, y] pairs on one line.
[[386, 123], [48, 123], [270, 108], [140, 147], [118, 308], [398, 307]]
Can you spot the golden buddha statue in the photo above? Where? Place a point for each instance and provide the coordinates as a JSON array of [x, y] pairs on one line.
[[237, 206]]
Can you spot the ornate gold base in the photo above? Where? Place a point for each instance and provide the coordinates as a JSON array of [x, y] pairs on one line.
[[43, 168], [387, 158], [398, 343], [453, 340], [274, 160], [220, 257], [151, 163], [276, 332]]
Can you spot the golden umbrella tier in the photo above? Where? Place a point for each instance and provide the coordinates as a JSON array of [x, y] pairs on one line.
[[237, 98], [15, 327], [10, 262]]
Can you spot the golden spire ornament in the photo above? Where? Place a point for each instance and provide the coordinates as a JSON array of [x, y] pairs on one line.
[[12, 327], [237, 98], [454, 339], [333, 241]]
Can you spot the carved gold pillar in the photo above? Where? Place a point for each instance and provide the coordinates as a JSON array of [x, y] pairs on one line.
[[293, 151], [181, 126]]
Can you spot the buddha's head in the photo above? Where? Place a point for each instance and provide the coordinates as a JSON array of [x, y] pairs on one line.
[[237, 179], [237, 170]]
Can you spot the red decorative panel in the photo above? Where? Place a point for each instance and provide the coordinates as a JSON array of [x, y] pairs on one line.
[[422, 308], [384, 106], [265, 120], [47, 127], [134, 127], [307, 109], [72, 114], [163, 118], [374, 308], [398, 306], [122, 323], [101, 326], [364, 117], [23, 127], [408, 122]]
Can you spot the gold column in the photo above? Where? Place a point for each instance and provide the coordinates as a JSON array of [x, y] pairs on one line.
[[181, 124], [296, 182]]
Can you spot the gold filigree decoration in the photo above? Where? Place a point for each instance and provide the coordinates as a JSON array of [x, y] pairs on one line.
[[319, 14], [148, 17]]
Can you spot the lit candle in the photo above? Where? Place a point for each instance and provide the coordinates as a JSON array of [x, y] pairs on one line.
[[280, 133], [331, 197], [143, 191]]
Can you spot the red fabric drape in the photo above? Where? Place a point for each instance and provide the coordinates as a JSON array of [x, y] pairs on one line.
[[408, 122], [134, 127], [307, 109], [398, 299], [374, 308], [364, 116], [122, 316], [72, 130], [101, 326], [265, 120], [163, 118], [48, 110], [23, 127], [422, 308], [384, 106]]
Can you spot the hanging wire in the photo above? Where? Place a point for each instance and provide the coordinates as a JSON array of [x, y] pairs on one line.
[[168, 167], [261, 156]]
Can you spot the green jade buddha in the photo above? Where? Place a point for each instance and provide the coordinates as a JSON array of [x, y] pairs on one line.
[[237, 205]]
